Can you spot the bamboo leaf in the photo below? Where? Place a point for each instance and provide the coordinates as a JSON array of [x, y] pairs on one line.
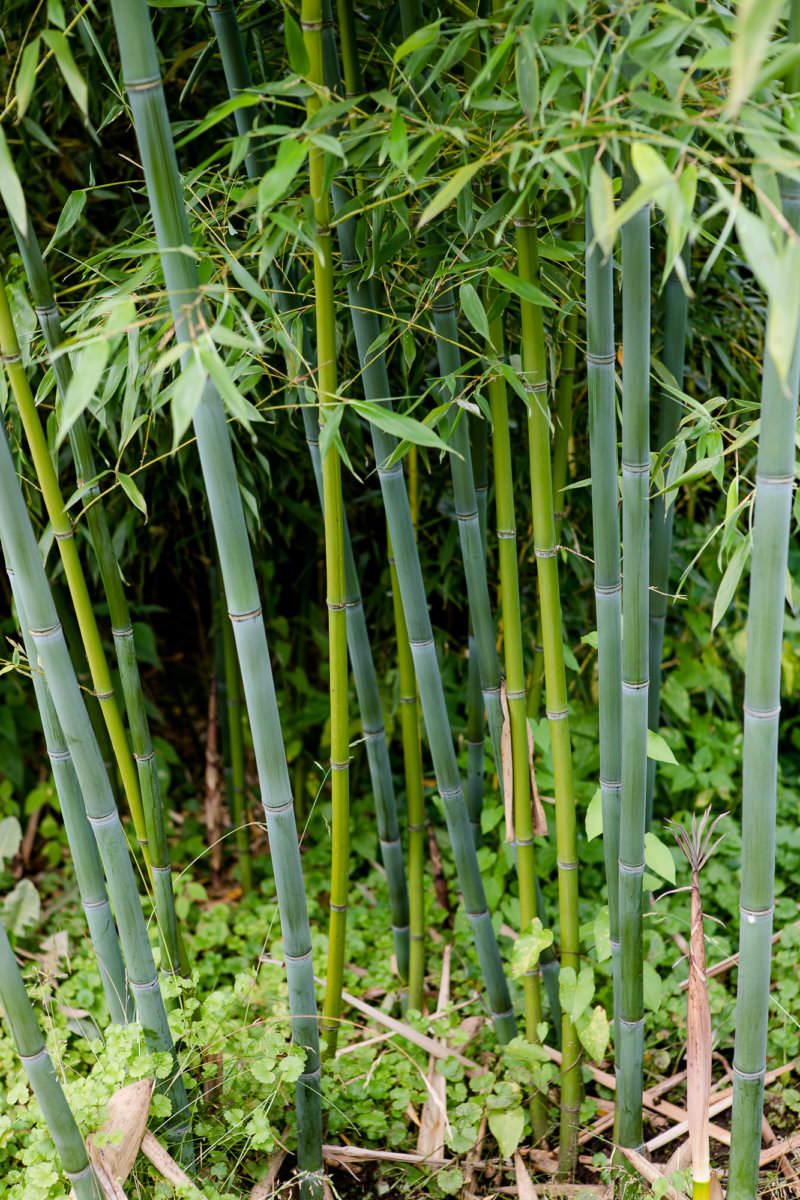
[[26, 76], [186, 393], [69, 215], [83, 385], [752, 30], [601, 191], [295, 45], [132, 492], [730, 582], [448, 193], [399, 426], [658, 857], [11, 188], [232, 398], [274, 185], [62, 53], [521, 287], [527, 69], [474, 311], [398, 141], [416, 41], [329, 429]]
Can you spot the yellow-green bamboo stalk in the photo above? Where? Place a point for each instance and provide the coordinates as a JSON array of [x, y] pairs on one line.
[[534, 362], [311, 20], [76, 581]]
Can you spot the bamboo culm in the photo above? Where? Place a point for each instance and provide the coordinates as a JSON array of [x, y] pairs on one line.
[[235, 742], [51, 654], [82, 846], [762, 700], [635, 614], [415, 607], [141, 73], [475, 715], [676, 312], [535, 375], [38, 1065], [152, 827], [607, 583]]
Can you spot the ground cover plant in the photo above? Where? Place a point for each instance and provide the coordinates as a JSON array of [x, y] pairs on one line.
[[428, 791]]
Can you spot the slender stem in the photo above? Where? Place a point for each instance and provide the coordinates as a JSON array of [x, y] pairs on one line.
[[635, 613], [607, 584], [233, 726], [534, 364]]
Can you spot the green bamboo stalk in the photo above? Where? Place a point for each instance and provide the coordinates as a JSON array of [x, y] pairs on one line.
[[515, 687], [415, 798], [50, 652], [466, 506], [235, 742], [676, 312], [375, 381], [475, 715], [534, 362], [38, 1065], [369, 703], [635, 613], [332, 509], [83, 849], [140, 782], [607, 585], [238, 78], [762, 699], [563, 417], [146, 98]]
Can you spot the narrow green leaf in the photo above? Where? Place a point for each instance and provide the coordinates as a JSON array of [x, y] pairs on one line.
[[601, 192], [274, 185], [11, 188], [730, 582], [473, 310], [26, 76], [232, 398], [295, 45], [416, 40], [68, 68], [399, 426], [521, 287], [69, 215], [398, 141], [83, 385], [527, 69], [448, 192], [658, 857], [186, 393], [132, 492], [752, 30], [329, 429]]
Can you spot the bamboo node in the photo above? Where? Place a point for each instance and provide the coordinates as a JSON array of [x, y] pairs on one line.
[[160, 870], [32, 1058], [338, 908], [246, 616], [630, 870], [613, 590], [601, 360], [524, 222], [108, 819], [11, 358], [371, 735], [566, 866], [510, 534], [774, 480], [152, 986], [544, 553], [421, 644], [469, 516], [312, 26], [636, 468], [450, 793], [761, 714], [53, 630], [282, 808], [389, 842], [557, 716], [297, 958], [748, 1076], [104, 696], [58, 755], [340, 766], [516, 695], [122, 633], [145, 758], [73, 1175], [95, 904], [46, 310], [632, 1024], [616, 786], [400, 928], [628, 686], [753, 915], [143, 85]]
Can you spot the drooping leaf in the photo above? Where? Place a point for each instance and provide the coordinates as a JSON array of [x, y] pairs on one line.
[[473, 310], [594, 816], [11, 188], [69, 215], [62, 52], [277, 181], [752, 30], [83, 385], [295, 45], [521, 287], [730, 582], [398, 425], [416, 41], [658, 749], [26, 76], [448, 192], [186, 394], [131, 490]]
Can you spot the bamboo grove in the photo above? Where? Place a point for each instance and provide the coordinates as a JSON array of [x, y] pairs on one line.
[[463, 252]]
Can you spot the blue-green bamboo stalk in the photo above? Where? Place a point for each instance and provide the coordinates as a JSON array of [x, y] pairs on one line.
[[145, 93], [50, 652], [83, 849], [38, 1066]]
